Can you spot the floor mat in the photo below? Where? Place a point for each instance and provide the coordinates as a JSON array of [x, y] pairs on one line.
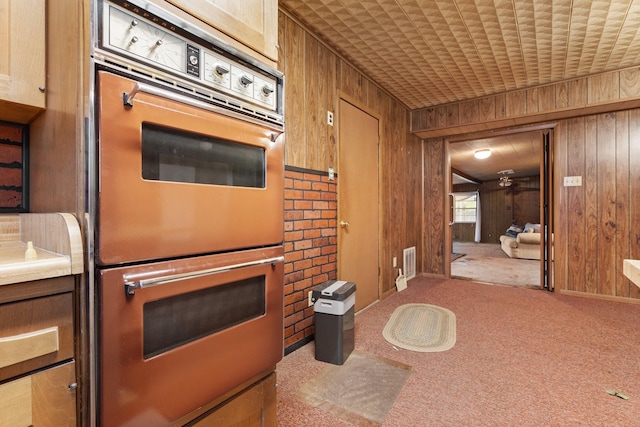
[[361, 391], [421, 327]]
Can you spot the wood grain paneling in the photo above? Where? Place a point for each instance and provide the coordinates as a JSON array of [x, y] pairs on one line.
[[595, 94], [596, 225], [316, 77], [634, 191], [622, 201], [575, 224]]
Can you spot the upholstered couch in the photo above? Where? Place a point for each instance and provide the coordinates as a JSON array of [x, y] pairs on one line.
[[524, 245]]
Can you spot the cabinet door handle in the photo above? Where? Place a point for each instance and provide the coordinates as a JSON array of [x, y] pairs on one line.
[[18, 348]]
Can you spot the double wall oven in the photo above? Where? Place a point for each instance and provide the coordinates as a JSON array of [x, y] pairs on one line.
[[188, 205]]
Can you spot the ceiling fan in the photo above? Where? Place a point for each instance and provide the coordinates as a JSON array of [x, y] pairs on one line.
[[505, 181]]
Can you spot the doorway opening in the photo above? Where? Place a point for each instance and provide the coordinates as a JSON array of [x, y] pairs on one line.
[[500, 208]]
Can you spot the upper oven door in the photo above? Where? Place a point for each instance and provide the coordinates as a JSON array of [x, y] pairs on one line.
[[177, 180]]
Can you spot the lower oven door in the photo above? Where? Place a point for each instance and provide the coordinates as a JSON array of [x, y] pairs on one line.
[[176, 335]]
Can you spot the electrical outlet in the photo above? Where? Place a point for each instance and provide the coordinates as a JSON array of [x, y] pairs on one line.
[[395, 261], [330, 118], [309, 298]]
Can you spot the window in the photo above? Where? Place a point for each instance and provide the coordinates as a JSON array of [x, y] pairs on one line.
[[465, 207]]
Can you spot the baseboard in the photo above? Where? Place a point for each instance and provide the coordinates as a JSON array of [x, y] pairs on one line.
[[598, 296]]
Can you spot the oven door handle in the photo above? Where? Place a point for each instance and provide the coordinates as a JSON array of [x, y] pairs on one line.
[[131, 286], [127, 102]]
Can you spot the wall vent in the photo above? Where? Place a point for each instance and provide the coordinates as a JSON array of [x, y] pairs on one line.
[[409, 262]]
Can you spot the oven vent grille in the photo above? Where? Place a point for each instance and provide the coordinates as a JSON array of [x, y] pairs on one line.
[[409, 262]]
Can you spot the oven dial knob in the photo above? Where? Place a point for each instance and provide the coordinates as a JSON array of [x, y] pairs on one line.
[[245, 81], [267, 90], [193, 59], [221, 71]]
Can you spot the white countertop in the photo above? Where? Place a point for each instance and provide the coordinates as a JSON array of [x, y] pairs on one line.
[[57, 241]]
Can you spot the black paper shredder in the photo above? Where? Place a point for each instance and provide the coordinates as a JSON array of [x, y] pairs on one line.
[[334, 305]]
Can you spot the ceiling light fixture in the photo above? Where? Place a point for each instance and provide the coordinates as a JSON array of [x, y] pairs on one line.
[[482, 154]]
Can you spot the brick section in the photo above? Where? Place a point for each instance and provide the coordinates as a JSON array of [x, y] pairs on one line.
[[310, 245], [11, 166]]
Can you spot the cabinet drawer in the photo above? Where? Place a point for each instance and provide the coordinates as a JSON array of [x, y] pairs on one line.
[[35, 333], [43, 399]]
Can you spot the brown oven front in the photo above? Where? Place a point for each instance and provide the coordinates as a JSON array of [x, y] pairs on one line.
[[177, 180], [176, 335]]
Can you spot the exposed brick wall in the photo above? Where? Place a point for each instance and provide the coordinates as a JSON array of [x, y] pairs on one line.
[[310, 246], [11, 166]]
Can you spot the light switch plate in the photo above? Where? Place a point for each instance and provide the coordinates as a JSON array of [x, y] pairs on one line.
[[573, 181]]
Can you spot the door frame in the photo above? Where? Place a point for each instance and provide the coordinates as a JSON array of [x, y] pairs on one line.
[[342, 96], [546, 195]]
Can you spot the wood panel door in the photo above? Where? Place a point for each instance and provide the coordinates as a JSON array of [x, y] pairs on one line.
[[358, 202]]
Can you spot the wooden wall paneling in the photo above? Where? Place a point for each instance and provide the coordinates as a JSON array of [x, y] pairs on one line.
[[562, 95], [532, 100], [604, 87], [469, 111], [415, 152], [561, 210], [331, 105], [316, 76], [590, 183], [385, 203], [322, 162], [434, 205], [630, 83], [547, 97], [501, 105], [487, 108], [634, 191], [575, 210], [441, 116], [453, 114], [578, 93], [606, 198], [622, 231], [311, 104], [295, 94], [516, 103]]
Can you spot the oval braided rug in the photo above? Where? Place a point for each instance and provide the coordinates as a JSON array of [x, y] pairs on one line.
[[421, 327]]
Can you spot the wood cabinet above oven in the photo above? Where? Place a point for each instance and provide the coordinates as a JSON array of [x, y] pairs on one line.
[[251, 22], [22, 59]]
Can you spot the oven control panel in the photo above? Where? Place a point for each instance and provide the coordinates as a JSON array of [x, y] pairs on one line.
[[133, 32]]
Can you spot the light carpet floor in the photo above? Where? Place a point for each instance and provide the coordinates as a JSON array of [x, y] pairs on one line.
[[487, 263], [522, 357]]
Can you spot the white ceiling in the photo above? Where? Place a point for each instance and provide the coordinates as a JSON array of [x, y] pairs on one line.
[[519, 152], [431, 52]]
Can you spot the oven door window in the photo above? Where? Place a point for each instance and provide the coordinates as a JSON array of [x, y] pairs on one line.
[[171, 322], [174, 155]]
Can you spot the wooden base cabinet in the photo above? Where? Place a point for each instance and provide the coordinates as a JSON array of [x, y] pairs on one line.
[[43, 399], [37, 357], [253, 407]]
